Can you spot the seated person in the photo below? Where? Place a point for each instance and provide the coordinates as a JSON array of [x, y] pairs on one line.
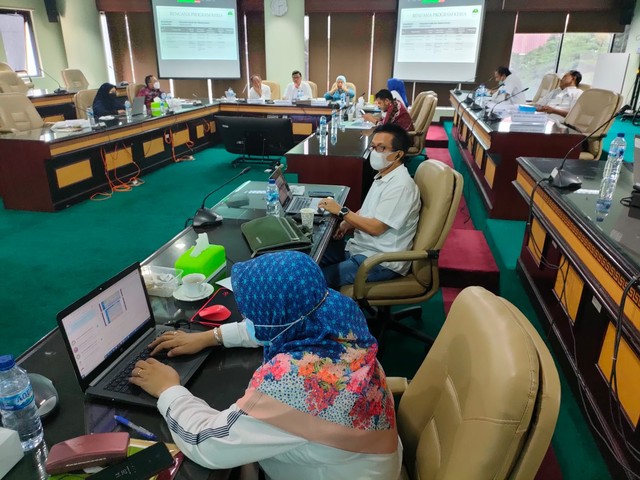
[[560, 100], [150, 91], [396, 87], [258, 90], [340, 87], [510, 84], [317, 407], [106, 101], [297, 88], [393, 110], [386, 222]]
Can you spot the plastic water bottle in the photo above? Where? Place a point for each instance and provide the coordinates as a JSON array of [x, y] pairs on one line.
[[17, 404], [163, 103], [272, 198], [334, 122], [480, 95], [343, 99], [91, 117], [610, 176], [299, 94], [322, 129], [127, 110]]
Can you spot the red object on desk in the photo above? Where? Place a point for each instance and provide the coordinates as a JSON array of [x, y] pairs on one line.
[[224, 297]]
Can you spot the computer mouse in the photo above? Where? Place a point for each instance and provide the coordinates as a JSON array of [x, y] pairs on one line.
[[215, 313], [44, 393]]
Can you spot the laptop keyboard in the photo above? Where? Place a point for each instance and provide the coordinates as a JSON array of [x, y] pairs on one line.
[[121, 382], [299, 203]]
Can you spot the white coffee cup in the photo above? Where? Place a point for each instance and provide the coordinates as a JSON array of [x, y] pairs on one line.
[[193, 285], [306, 215]]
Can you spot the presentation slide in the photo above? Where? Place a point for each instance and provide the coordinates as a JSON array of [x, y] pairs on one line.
[[438, 40], [196, 38]]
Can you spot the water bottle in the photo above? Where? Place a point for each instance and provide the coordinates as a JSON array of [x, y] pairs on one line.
[[163, 103], [480, 95], [334, 122], [610, 176], [334, 137], [322, 144], [343, 99], [91, 117], [272, 198], [323, 126], [17, 404], [299, 94], [127, 110]]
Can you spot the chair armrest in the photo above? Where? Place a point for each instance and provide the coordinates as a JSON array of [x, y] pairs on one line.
[[397, 385], [413, 133], [8, 130]]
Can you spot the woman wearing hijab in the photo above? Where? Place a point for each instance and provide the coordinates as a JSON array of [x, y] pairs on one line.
[[106, 101], [396, 87], [317, 408], [338, 89]]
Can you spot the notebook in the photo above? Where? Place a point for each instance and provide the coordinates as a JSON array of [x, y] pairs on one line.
[[107, 330], [290, 203]]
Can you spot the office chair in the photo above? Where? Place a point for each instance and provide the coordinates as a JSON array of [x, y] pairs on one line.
[[10, 82], [584, 87], [421, 123], [5, 67], [592, 108], [549, 82], [485, 401], [414, 110], [23, 74], [133, 89], [74, 79], [83, 100], [275, 89], [314, 88], [17, 113], [440, 191], [349, 85]]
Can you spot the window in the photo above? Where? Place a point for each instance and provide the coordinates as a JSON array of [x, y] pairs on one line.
[[18, 39], [580, 52]]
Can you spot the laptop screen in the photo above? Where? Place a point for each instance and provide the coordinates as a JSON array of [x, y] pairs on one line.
[[99, 324], [283, 187]]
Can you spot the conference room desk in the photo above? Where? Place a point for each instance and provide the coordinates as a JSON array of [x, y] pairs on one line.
[[221, 380], [490, 148], [51, 106], [575, 270], [341, 163]]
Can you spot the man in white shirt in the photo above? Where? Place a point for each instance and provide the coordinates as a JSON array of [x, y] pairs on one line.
[[297, 88], [258, 90], [510, 85], [387, 220], [559, 101]]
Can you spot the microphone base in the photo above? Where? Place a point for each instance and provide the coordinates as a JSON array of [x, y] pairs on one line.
[[59, 90], [457, 92], [205, 218], [564, 180]]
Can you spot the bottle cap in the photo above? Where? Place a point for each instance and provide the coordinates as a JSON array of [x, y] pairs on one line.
[[272, 181], [621, 134], [6, 362]]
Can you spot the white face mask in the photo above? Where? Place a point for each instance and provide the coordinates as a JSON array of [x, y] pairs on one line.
[[156, 85], [379, 160]]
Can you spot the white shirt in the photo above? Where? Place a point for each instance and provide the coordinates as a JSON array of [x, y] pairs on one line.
[[393, 199], [291, 92], [266, 93], [512, 84], [563, 99], [229, 438]]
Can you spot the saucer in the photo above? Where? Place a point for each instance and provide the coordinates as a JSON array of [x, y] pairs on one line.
[[179, 294]]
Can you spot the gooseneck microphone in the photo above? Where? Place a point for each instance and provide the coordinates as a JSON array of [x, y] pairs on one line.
[[469, 98], [57, 90], [206, 218], [559, 177], [490, 116]]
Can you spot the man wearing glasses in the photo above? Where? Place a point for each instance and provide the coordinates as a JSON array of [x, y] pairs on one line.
[[387, 220], [297, 89]]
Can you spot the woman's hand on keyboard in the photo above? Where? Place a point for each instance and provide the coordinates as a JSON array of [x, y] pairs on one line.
[[154, 377], [181, 343]]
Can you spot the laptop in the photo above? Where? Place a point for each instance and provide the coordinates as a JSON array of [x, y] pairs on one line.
[[137, 108], [108, 330], [292, 204]]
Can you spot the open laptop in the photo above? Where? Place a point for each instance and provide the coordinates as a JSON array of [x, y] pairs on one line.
[[292, 204], [108, 330], [137, 108]]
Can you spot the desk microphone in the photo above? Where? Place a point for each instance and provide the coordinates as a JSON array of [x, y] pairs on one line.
[[469, 99], [560, 178], [490, 116], [57, 90], [206, 218]]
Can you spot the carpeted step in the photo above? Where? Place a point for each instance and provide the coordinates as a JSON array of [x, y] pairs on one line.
[[466, 259], [441, 154], [437, 136]]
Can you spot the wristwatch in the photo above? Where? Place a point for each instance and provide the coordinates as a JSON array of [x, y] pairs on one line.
[[343, 211]]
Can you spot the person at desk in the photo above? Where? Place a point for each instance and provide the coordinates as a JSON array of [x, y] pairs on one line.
[[386, 222], [106, 101], [338, 89], [510, 84], [150, 91], [318, 407], [297, 88], [396, 87], [393, 110], [560, 100], [258, 90]]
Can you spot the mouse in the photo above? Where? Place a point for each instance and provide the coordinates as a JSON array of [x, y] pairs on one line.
[[45, 394], [215, 313]]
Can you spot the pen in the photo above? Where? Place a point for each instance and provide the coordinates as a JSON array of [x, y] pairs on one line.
[[146, 434]]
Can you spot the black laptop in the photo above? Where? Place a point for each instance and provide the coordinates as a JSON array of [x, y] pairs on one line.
[[108, 330], [293, 204]]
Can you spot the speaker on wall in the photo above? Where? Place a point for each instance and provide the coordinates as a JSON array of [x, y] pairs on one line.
[[52, 10], [627, 8]]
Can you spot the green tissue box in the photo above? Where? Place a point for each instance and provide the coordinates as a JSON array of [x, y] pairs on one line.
[[211, 261]]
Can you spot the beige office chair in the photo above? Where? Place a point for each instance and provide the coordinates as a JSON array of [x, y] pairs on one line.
[[584, 87], [549, 82], [591, 109], [133, 89], [10, 82], [83, 100], [5, 67], [17, 113], [485, 401], [74, 79], [349, 85], [275, 89], [23, 74], [421, 124], [440, 191], [314, 88], [414, 109]]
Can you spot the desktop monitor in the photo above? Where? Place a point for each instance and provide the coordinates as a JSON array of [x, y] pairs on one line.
[[256, 136]]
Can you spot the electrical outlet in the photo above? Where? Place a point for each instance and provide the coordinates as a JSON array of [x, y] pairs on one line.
[[167, 137]]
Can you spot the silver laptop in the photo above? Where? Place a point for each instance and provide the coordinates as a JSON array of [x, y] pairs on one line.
[[293, 204], [107, 331], [137, 108]]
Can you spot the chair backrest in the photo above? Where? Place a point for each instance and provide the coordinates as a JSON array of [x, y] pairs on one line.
[[548, 83], [417, 103], [584, 87], [275, 89], [485, 401], [133, 89], [10, 82], [17, 113], [592, 108], [83, 100], [425, 114], [314, 88], [349, 85], [5, 67], [74, 79]]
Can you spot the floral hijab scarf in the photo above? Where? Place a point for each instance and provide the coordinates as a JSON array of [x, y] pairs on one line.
[[320, 378]]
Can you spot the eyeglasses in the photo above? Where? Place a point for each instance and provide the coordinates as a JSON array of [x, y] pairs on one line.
[[380, 148]]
